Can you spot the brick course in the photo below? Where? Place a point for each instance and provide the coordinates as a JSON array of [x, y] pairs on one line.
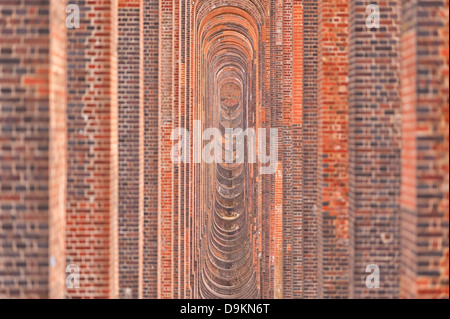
[[333, 222], [131, 146], [32, 149], [92, 178], [86, 176], [374, 149], [424, 198], [309, 150]]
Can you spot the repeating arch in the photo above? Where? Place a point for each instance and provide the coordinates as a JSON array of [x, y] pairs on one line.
[[228, 34]]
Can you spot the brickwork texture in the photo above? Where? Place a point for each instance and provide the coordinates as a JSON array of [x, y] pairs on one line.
[[93, 205]]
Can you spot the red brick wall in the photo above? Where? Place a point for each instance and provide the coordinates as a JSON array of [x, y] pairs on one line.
[[296, 193], [287, 162], [309, 149], [276, 121], [363, 129], [425, 150], [267, 182], [276, 230], [131, 146], [176, 167], [58, 148], [184, 110], [374, 149], [32, 149], [333, 149], [151, 129], [165, 165], [92, 192]]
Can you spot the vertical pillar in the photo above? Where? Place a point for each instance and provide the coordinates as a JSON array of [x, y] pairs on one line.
[[58, 148], [176, 206], [131, 147], [32, 149], [151, 133], [276, 222], [267, 180], [276, 121], [92, 198], [165, 173], [297, 100], [287, 147], [333, 149], [184, 123], [374, 149], [309, 149], [424, 191], [190, 85]]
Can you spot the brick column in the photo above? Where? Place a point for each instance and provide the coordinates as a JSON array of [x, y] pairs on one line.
[[276, 231], [287, 147], [297, 111], [276, 121], [151, 133], [333, 149], [309, 149], [92, 198], [176, 167], [374, 149], [165, 166], [424, 198], [32, 149], [267, 181], [131, 146], [184, 169]]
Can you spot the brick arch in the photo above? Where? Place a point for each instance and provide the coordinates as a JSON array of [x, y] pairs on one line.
[[346, 192], [226, 17], [228, 45], [229, 19], [255, 9], [231, 75], [231, 40]]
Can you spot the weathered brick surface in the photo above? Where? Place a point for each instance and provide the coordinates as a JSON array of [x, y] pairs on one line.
[[309, 149], [425, 103], [374, 149], [58, 148], [86, 175], [287, 162], [165, 165], [296, 191], [151, 83], [267, 182], [32, 149], [332, 123], [276, 118], [92, 179], [131, 146]]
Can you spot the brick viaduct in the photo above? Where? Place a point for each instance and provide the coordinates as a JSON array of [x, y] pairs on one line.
[[86, 117]]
